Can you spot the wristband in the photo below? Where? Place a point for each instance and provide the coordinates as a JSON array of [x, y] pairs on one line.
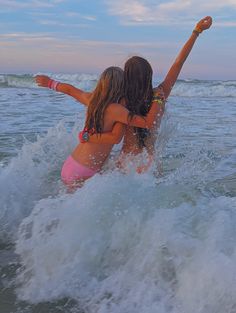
[[197, 30], [52, 84]]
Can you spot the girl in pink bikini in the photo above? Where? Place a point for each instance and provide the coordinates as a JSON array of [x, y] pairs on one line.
[[107, 114]]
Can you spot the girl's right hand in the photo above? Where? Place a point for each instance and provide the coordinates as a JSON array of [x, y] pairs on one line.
[[42, 80], [204, 24]]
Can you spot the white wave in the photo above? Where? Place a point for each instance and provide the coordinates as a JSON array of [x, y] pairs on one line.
[[129, 244], [2, 78], [121, 242], [35, 173], [195, 88], [31, 176], [18, 81], [183, 88], [84, 81], [128, 240]]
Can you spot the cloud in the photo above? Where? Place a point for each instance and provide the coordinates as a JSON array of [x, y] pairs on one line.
[[66, 19], [14, 4], [39, 51], [75, 41], [78, 15], [89, 17], [225, 24], [49, 52], [60, 24], [146, 12], [130, 10], [125, 45], [26, 37]]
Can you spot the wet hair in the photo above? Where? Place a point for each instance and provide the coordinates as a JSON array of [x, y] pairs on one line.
[[110, 88], [138, 91]]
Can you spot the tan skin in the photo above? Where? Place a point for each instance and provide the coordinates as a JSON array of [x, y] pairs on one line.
[[94, 153], [130, 144]]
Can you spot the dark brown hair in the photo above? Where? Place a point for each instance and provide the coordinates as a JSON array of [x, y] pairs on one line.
[[138, 91], [110, 88]]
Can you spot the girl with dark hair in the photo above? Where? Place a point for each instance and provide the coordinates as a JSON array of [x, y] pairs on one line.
[[142, 99]]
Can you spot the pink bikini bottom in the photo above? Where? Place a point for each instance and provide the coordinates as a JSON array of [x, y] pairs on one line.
[[73, 171]]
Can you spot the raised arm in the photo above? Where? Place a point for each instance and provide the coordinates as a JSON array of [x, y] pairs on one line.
[[175, 69], [113, 137], [78, 94]]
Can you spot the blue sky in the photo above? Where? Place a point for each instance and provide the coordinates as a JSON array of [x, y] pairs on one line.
[[74, 36]]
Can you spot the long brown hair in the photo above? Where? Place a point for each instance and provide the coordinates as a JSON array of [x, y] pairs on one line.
[[110, 88], [138, 91]]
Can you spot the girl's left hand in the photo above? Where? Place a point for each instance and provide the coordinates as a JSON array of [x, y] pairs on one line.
[[204, 23], [42, 80]]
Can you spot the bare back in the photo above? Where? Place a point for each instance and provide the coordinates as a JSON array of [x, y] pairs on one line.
[[93, 155], [131, 144]]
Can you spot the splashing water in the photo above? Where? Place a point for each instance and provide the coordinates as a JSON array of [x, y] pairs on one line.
[[125, 243]]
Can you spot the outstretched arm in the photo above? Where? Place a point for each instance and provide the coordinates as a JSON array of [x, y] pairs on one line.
[[78, 94], [120, 114], [113, 137], [175, 69]]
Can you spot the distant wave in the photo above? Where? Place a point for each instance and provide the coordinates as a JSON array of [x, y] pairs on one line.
[[204, 88], [13, 80], [183, 88], [84, 81]]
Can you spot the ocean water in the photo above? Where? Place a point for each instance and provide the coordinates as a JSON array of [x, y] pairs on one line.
[[122, 243]]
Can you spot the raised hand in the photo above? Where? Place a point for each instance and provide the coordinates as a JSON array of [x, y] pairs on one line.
[[204, 24]]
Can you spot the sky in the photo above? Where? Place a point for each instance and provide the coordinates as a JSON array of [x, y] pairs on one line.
[[85, 36]]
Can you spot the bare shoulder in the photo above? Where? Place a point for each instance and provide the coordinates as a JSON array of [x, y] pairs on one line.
[[117, 105], [118, 112], [114, 106]]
